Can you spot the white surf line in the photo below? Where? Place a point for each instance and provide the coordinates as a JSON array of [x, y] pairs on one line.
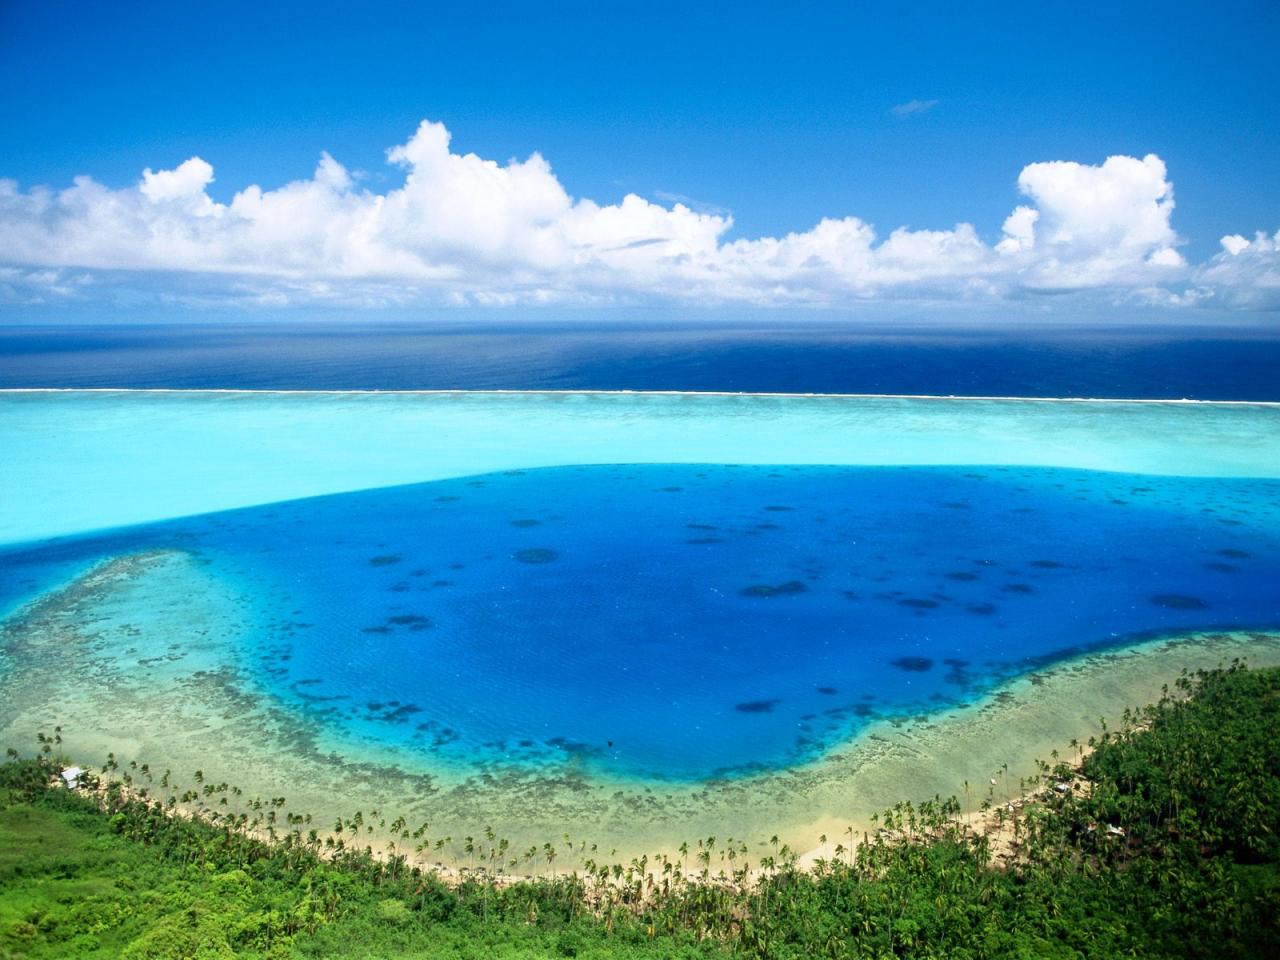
[[636, 393]]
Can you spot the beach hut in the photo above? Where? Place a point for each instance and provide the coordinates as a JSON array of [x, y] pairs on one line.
[[71, 777]]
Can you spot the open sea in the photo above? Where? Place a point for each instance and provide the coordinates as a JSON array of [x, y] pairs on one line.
[[1212, 363], [646, 586]]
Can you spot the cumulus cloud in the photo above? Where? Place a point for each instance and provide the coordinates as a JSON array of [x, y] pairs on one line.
[[1093, 226], [1245, 274], [463, 229], [188, 182]]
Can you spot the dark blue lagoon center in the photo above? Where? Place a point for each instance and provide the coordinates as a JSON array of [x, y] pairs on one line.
[[692, 621]]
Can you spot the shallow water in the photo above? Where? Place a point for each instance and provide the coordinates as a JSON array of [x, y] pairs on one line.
[[690, 621], [77, 461]]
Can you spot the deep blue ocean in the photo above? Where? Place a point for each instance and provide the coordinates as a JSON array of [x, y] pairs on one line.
[[1029, 361]]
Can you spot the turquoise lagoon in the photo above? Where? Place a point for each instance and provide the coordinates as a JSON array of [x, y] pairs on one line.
[[671, 590]]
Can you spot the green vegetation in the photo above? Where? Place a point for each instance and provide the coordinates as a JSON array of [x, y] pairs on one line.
[[1163, 842]]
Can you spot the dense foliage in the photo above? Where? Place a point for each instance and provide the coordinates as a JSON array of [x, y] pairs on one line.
[[1162, 843]]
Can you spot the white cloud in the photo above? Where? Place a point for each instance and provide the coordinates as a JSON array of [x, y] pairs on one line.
[[1234, 244], [1019, 231], [697, 206], [462, 229], [187, 182], [1245, 274], [913, 106], [1094, 226], [18, 285]]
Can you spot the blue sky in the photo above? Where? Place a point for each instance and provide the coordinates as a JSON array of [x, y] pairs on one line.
[[779, 115]]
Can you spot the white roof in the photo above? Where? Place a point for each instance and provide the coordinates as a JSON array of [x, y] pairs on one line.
[[72, 773]]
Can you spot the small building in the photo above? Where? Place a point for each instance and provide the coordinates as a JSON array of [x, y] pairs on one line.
[[71, 777]]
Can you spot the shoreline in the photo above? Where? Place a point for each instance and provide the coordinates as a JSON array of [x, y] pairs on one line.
[[516, 391], [203, 715]]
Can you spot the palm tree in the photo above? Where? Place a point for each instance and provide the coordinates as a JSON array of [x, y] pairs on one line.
[[550, 853]]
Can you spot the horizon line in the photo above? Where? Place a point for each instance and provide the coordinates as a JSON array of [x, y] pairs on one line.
[[505, 391]]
